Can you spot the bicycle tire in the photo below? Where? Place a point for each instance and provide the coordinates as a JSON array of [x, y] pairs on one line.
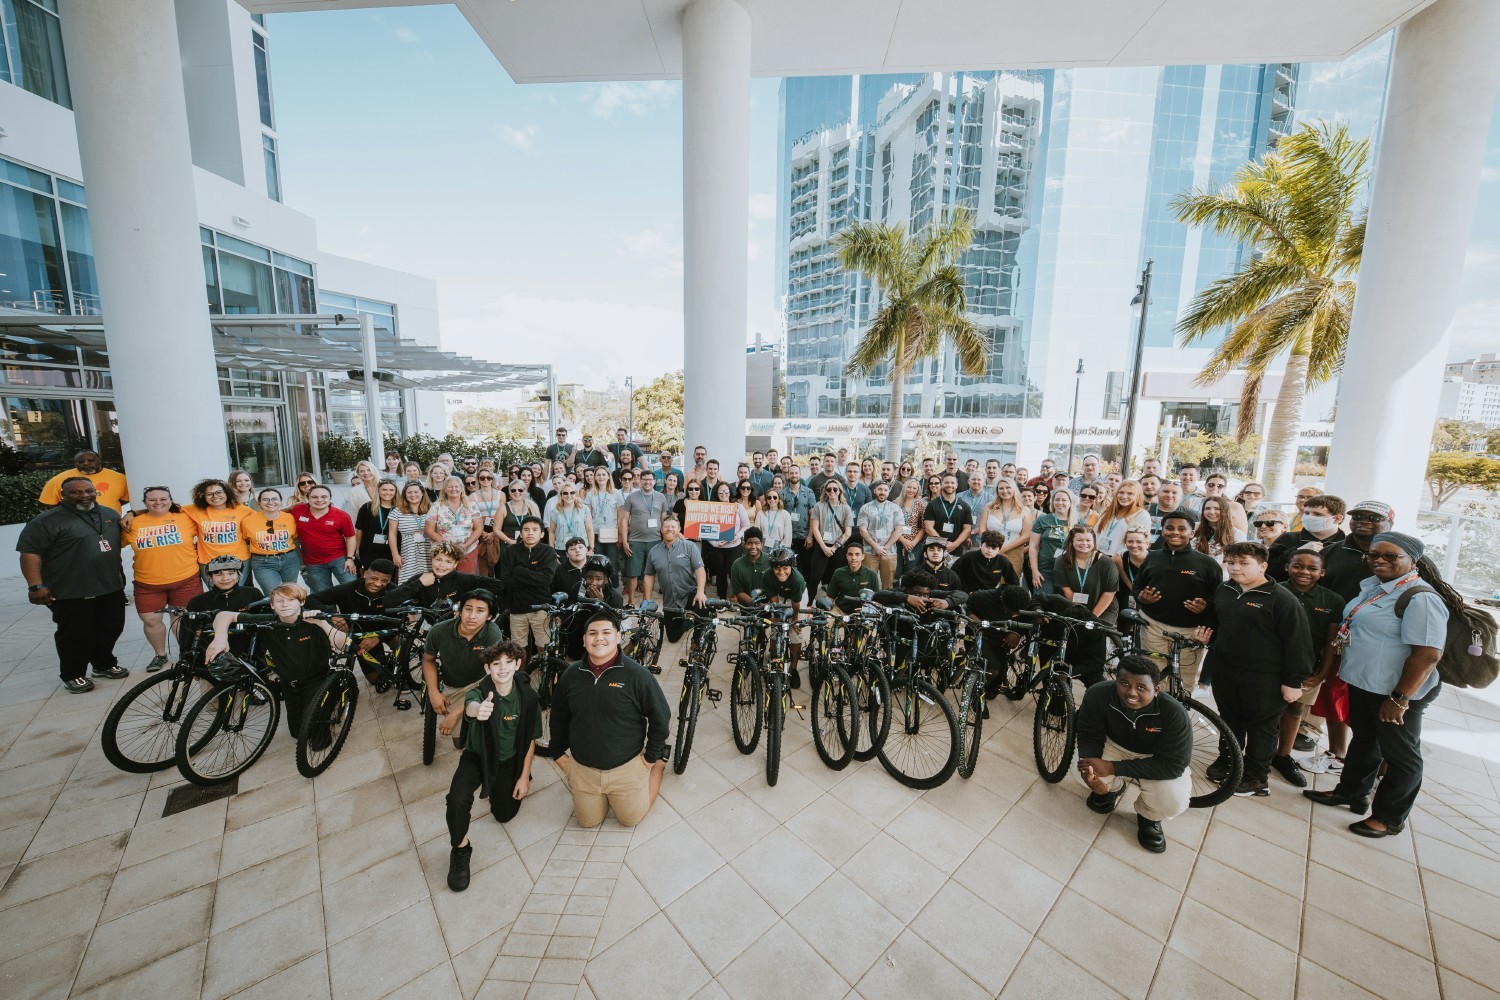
[[903, 749], [1018, 675], [429, 732], [775, 721], [745, 708], [835, 717], [873, 690], [970, 724], [330, 711], [225, 753], [687, 718], [546, 673], [150, 745], [1054, 727], [1211, 738]]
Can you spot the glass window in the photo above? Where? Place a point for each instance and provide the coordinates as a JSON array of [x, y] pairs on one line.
[[263, 79], [244, 249], [49, 431], [255, 442], [33, 43], [70, 191], [273, 171], [31, 272], [211, 281], [294, 293], [107, 433], [246, 285], [79, 242], [25, 176]]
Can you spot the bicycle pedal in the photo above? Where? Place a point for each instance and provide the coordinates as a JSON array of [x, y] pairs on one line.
[[732, 658], [403, 704], [714, 694], [654, 669]]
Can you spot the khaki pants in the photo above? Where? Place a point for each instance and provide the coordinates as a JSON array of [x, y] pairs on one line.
[[1188, 660], [534, 622], [625, 789], [1159, 800], [886, 566]]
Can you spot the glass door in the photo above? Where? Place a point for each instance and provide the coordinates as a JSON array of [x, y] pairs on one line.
[[255, 442]]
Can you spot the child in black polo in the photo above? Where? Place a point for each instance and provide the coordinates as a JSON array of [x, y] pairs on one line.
[[502, 723]]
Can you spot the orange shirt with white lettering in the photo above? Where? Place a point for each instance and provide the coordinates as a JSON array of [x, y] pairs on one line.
[[271, 537], [109, 484], [221, 532], [166, 549]]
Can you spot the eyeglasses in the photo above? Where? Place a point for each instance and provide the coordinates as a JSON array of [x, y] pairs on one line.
[[1367, 518], [1392, 558], [213, 493], [1265, 524]]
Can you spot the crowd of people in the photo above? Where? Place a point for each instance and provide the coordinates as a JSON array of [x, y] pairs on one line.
[[1322, 625]]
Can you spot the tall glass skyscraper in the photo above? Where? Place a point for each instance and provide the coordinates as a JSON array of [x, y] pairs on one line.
[[1071, 174]]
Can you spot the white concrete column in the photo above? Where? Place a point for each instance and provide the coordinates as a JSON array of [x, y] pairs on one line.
[[715, 224], [1444, 73], [126, 74]]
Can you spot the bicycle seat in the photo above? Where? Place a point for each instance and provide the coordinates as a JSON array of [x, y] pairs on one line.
[[1132, 616]]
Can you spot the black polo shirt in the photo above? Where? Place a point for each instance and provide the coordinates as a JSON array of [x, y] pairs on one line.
[[80, 550], [948, 520], [1179, 577]]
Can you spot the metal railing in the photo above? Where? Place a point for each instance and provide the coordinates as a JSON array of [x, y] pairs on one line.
[[1465, 548]]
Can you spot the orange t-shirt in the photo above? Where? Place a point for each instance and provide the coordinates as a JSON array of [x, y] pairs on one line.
[[109, 484], [165, 546], [220, 532], [271, 536]]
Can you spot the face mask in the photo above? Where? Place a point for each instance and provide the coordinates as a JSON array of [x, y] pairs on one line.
[[1317, 523]]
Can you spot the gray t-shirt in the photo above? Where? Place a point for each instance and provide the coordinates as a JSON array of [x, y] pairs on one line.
[[80, 550], [675, 568], [645, 511]]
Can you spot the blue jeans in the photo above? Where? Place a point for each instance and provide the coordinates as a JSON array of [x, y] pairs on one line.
[[321, 576], [272, 571]]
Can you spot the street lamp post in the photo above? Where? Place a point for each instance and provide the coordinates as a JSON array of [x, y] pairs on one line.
[[630, 423], [1073, 431], [1141, 303]]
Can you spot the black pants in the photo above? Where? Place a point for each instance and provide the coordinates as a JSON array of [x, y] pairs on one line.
[[1400, 747], [466, 781], [1251, 706], [1086, 656], [295, 702], [821, 567], [675, 624], [87, 628], [716, 563]]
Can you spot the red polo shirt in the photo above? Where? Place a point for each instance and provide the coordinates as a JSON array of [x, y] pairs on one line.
[[322, 538]]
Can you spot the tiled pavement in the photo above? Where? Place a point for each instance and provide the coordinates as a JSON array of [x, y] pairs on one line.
[[828, 885]]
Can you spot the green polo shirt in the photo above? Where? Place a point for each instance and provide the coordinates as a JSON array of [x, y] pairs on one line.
[[746, 577], [506, 719], [460, 662]]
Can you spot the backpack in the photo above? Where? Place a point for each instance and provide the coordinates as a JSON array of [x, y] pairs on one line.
[[1469, 657]]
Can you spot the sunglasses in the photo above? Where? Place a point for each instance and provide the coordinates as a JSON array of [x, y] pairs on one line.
[[695, 489], [1265, 524], [570, 493], [1382, 557], [306, 482], [516, 490], [270, 526], [486, 478]]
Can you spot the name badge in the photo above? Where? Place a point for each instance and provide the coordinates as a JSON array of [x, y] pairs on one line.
[[1080, 598], [302, 519], [948, 526], [906, 529], [104, 546], [830, 535], [377, 539], [650, 522]]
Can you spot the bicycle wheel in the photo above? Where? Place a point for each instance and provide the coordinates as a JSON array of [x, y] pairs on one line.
[[687, 718], [921, 748], [775, 720], [1212, 742], [872, 691], [835, 717], [544, 676], [140, 731], [330, 713], [970, 723], [226, 731], [645, 644], [1054, 729], [745, 706], [1018, 672]]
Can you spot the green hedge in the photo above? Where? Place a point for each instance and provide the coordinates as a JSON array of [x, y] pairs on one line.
[[18, 496], [424, 449]]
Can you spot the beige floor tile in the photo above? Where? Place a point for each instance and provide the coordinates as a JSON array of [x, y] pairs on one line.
[[1256, 817], [247, 894], [262, 947], [948, 923], [1316, 983], [969, 803], [1246, 900], [63, 830], [157, 838], [176, 975], [355, 849], [544, 812], [1344, 852], [438, 983], [992, 872], [719, 918], [143, 884], [779, 957], [1044, 974], [873, 794], [844, 925], [100, 786], [280, 834], [368, 897], [793, 792], [341, 811], [28, 808], [730, 823], [568, 971], [638, 964], [1055, 849], [1459, 902], [1467, 951], [894, 876], [471, 965], [1256, 964], [32, 926], [1400, 922], [1470, 867], [629, 906], [939, 838], [1256, 857], [1131, 895], [1129, 962], [1178, 977], [502, 888], [58, 871], [352, 770], [673, 863], [694, 788], [910, 967], [831, 828], [1363, 958], [386, 955], [782, 869], [659, 820], [46, 971], [1456, 987], [307, 979], [135, 940]]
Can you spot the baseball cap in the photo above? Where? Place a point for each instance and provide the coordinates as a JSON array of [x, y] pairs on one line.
[[934, 540], [1383, 510]]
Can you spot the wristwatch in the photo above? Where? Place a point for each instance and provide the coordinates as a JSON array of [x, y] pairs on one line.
[[35, 587], [1400, 699]]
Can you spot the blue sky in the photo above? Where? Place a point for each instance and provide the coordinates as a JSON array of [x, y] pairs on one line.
[[551, 215]]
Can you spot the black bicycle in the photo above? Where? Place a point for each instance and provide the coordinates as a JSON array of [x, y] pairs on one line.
[[862, 651], [140, 731], [330, 710], [760, 691], [695, 686], [921, 748], [835, 700], [229, 728], [972, 681]]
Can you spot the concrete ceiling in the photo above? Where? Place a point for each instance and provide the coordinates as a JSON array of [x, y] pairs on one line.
[[558, 41]]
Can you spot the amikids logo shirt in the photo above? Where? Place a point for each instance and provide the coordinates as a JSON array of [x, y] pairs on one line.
[[165, 549]]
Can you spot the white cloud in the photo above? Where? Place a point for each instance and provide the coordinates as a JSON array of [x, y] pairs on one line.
[[762, 207], [405, 35], [1489, 175], [659, 248], [639, 99], [1475, 328], [523, 138], [1482, 258]]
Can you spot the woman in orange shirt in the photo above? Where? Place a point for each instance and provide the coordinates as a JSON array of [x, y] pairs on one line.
[[165, 539], [272, 539], [219, 520]]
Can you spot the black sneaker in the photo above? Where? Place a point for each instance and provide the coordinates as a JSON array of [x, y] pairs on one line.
[[1304, 743], [1290, 770], [1218, 771], [78, 685], [114, 673], [1248, 787], [796, 680], [458, 868], [1148, 834], [1104, 804]]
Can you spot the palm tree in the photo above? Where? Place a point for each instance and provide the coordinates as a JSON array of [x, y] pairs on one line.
[[922, 289], [1296, 209]]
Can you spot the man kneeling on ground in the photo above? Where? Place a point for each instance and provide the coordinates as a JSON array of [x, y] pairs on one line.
[[603, 709], [1127, 733]]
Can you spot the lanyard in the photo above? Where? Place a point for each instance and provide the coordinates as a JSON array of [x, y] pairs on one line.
[[1343, 633], [948, 508], [1083, 578], [382, 516]]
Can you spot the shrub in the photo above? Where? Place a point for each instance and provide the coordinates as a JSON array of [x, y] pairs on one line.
[[339, 453], [18, 495]]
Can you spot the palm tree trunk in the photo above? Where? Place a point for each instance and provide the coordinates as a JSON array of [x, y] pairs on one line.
[[1284, 430], [898, 411]]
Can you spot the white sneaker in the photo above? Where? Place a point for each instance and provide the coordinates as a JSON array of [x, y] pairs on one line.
[[1321, 762]]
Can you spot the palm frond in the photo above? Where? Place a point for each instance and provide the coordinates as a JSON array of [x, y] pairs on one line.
[[1226, 300], [1249, 405], [941, 242], [884, 341]]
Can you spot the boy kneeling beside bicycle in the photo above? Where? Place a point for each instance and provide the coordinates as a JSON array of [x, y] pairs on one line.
[[1127, 733], [502, 722]]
